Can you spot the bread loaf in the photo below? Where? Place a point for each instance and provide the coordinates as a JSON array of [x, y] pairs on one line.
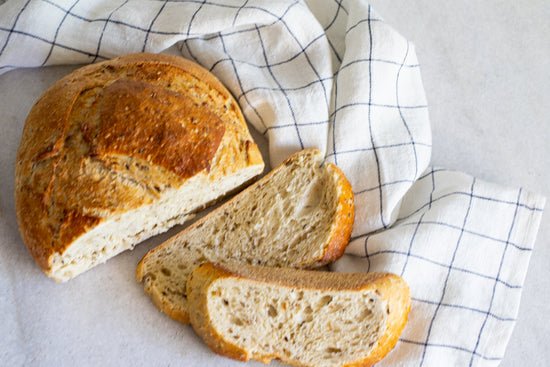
[[301, 317], [121, 150], [298, 215]]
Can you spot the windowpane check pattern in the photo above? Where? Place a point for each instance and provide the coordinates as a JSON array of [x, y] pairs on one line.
[[332, 74]]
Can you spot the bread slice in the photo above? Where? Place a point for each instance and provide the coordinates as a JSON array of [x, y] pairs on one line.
[[121, 150], [298, 215], [301, 317]]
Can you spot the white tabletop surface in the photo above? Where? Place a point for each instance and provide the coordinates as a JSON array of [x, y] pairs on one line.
[[486, 72]]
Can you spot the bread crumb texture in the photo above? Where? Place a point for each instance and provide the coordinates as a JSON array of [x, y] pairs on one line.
[[121, 150], [321, 328], [293, 217], [303, 318]]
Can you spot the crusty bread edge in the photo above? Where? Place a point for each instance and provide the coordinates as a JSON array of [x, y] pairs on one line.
[[345, 217], [390, 287], [197, 291], [396, 292]]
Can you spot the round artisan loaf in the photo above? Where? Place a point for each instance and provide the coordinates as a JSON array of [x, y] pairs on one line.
[[121, 150]]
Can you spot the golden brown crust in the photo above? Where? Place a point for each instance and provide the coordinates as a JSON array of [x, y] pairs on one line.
[[343, 226], [397, 294], [131, 125], [197, 286], [111, 136], [390, 287]]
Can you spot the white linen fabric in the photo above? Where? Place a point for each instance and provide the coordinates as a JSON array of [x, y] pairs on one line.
[[332, 75]]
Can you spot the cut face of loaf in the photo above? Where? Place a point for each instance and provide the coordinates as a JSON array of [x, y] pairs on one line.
[[301, 317], [121, 150], [299, 215]]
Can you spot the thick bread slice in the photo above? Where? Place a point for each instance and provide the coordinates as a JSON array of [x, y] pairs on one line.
[[121, 150], [301, 317], [299, 215]]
